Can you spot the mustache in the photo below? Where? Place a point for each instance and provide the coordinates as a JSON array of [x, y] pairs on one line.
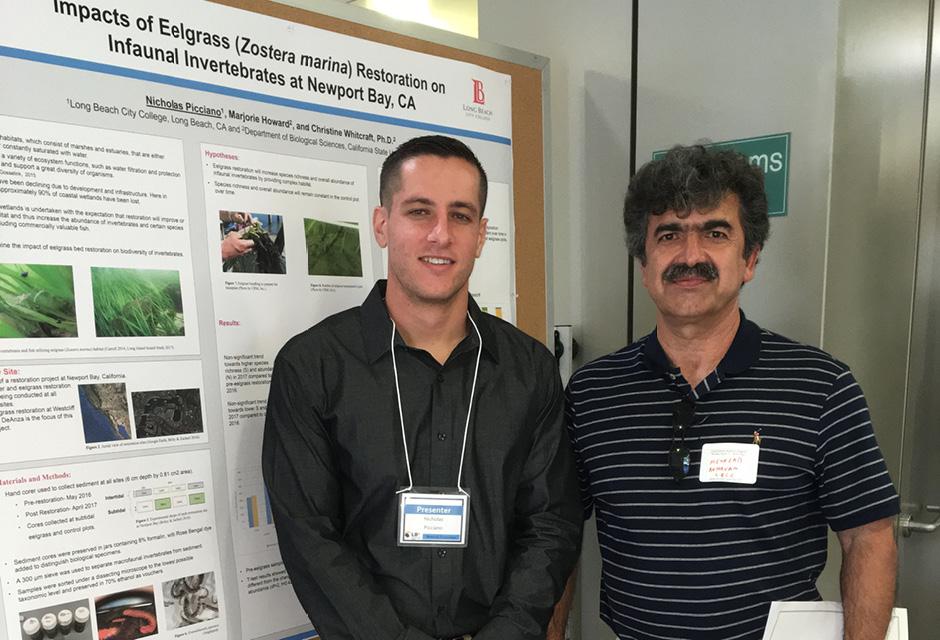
[[704, 270]]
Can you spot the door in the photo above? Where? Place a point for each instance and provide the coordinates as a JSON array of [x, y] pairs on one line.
[[919, 533]]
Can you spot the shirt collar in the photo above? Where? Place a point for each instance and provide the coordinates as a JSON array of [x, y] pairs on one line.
[[377, 325], [741, 355]]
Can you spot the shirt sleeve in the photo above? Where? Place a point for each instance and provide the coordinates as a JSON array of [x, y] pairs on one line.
[[584, 484], [547, 533], [853, 484], [333, 586]]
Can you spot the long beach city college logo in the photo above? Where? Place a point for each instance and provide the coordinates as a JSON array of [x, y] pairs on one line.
[[477, 109], [479, 97]]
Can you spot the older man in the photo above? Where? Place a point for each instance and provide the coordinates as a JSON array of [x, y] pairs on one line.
[[713, 452]]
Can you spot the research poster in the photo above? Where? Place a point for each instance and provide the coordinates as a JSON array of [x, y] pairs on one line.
[[141, 146]]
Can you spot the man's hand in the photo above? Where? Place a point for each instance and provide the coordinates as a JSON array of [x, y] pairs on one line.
[[869, 570], [556, 626], [233, 245], [238, 217]]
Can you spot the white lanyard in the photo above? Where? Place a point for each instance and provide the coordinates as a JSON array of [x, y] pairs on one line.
[[466, 428]]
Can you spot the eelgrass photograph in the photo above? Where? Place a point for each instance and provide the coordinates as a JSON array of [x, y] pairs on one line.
[[137, 302], [37, 301], [332, 249], [104, 412], [265, 252], [168, 412]]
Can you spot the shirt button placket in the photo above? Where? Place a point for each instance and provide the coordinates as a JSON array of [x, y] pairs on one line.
[[443, 474], [441, 455]]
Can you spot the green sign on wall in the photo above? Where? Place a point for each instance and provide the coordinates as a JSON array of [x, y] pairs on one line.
[[772, 154]]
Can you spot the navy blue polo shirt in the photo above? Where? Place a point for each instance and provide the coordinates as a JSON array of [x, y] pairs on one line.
[[686, 559]]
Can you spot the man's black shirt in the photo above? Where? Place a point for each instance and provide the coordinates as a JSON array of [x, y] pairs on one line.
[[334, 458]]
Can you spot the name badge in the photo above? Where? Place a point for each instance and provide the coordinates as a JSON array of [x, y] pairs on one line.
[[433, 519], [729, 462]]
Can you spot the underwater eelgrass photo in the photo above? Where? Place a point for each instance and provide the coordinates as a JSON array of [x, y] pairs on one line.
[[332, 249], [137, 302], [37, 301]]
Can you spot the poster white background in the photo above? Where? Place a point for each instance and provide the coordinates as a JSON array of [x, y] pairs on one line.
[[72, 84], [41, 412], [92, 198], [183, 38], [95, 529]]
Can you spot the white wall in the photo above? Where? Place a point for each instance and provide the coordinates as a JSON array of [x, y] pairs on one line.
[[743, 68], [589, 48]]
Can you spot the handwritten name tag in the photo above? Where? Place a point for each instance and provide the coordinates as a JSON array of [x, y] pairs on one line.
[[729, 462]]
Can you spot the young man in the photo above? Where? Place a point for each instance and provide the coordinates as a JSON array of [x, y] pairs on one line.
[[715, 453], [415, 451]]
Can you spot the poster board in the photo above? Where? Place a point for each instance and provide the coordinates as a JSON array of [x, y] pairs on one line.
[[133, 371]]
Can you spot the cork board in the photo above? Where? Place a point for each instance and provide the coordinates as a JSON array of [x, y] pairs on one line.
[[527, 147]]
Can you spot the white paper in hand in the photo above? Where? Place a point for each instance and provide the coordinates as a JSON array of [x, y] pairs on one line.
[[819, 621]]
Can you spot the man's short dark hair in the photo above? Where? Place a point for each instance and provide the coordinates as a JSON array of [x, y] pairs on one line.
[[695, 177], [439, 146]]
